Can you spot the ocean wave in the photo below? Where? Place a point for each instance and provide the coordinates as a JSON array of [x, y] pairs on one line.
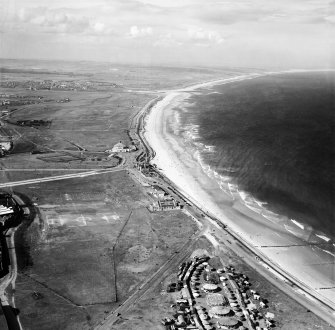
[[259, 207], [261, 204], [233, 189], [329, 252], [225, 189], [199, 145], [231, 150], [253, 208], [323, 237], [191, 132], [175, 123], [297, 231], [222, 180], [291, 230], [177, 118], [215, 92], [229, 169], [300, 225], [209, 148], [271, 216]]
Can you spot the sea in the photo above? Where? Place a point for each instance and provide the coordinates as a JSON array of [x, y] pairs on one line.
[[270, 141]]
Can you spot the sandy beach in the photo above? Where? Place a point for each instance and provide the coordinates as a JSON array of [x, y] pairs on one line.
[[281, 241]]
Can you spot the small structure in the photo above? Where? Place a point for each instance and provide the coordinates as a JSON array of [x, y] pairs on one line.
[[184, 293], [209, 287], [240, 315], [268, 323], [181, 320], [269, 315], [168, 204], [158, 192], [203, 316], [220, 311], [6, 210], [230, 323], [165, 205], [251, 307], [208, 326], [120, 147]]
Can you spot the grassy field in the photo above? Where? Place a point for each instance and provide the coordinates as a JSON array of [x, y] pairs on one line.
[[98, 243], [91, 120], [155, 304]]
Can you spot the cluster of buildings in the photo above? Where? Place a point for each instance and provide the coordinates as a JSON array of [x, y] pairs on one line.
[[68, 85], [18, 102], [165, 205], [34, 123], [146, 169], [121, 147], [165, 202], [8, 84], [6, 145], [15, 100], [66, 100], [4, 113], [208, 298], [8, 207]]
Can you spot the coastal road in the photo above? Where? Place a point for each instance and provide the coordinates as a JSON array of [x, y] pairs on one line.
[[267, 268], [290, 286]]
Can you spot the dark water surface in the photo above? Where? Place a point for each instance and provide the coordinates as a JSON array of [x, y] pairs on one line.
[[275, 136]]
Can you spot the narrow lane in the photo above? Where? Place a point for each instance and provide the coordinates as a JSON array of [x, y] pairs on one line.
[[62, 177]]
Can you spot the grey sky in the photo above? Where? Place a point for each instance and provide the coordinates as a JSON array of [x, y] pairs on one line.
[[263, 33]]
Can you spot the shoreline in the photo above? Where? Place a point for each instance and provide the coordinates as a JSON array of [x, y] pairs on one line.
[[179, 167]]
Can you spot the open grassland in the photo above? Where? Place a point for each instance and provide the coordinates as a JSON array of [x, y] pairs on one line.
[[91, 245], [92, 120]]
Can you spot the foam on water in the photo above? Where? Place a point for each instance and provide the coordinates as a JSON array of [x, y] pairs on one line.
[[323, 237], [300, 225], [202, 125]]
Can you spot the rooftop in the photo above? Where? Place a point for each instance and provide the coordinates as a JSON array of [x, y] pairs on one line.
[[220, 310], [230, 322]]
